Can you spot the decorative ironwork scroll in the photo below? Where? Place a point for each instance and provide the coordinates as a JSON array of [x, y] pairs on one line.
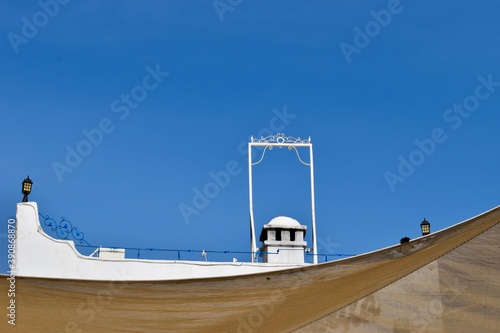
[[64, 229], [280, 138]]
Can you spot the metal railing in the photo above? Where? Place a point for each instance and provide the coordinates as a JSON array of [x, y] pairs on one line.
[[65, 230]]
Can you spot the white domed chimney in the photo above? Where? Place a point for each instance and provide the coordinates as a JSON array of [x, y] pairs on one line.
[[283, 241]]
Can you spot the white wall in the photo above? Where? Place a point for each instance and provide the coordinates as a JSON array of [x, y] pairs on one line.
[[39, 255]]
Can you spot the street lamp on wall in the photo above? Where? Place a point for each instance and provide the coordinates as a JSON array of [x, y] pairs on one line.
[[426, 227], [27, 184]]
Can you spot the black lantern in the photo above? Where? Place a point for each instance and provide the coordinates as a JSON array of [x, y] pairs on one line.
[[426, 227], [27, 183]]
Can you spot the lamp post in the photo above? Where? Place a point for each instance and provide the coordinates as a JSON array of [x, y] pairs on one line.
[[27, 183], [426, 227]]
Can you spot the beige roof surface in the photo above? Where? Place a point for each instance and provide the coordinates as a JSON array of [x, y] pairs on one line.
[[448, 281]]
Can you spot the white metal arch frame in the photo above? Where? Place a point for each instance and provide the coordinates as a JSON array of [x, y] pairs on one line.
[[268, 142]]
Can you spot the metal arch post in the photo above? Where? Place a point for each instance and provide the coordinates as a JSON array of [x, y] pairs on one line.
[[313, 209], [253, 246], [280, 140]]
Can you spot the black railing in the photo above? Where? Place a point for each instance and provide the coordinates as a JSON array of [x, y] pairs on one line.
[[327, 255], [65, 230]]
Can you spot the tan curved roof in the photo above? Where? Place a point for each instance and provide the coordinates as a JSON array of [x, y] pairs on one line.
[[448, 281]]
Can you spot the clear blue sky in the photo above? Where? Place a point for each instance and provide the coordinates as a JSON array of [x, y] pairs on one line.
[[401, 100]]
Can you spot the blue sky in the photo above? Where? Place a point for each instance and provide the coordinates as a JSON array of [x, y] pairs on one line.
[[400, 98]]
